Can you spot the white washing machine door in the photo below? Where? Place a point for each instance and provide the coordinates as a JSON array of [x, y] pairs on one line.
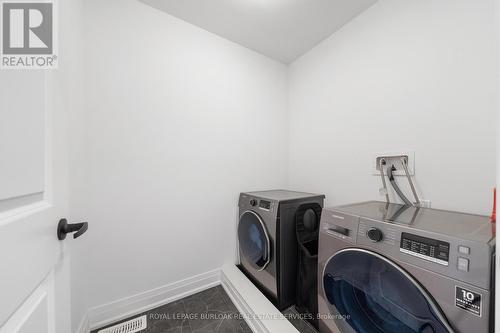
[[370, 294], [254, 240]]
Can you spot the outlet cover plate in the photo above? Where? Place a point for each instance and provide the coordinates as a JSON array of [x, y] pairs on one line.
[[425, 203], [394, 157]]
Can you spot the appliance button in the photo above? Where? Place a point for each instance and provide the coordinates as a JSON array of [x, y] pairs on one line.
[[463, 249], [463, 264], [375, 234]]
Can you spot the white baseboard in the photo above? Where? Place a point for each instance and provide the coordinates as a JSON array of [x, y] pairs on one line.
[[129, 306], [249, 301]]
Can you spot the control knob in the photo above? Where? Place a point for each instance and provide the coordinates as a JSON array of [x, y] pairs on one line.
[[375, 235], [253, 202]]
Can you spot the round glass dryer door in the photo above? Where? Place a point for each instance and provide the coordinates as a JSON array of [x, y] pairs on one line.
[[374, 295], [254, 240]]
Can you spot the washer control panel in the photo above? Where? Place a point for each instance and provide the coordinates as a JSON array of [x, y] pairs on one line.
[[423, 243], [425, 248], [264, 204]]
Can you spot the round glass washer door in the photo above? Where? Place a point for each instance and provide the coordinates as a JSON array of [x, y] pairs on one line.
[[254, 240], [374, 295]]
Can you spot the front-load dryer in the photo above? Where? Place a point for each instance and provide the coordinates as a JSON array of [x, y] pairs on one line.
[[389, 268], [267, 239]]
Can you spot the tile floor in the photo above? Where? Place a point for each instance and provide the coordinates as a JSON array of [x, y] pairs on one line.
[[210, 311]]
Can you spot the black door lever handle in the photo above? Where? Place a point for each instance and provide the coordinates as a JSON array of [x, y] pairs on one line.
[[64, 228]]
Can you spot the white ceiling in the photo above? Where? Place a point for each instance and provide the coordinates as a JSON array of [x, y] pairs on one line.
[[280, 29]]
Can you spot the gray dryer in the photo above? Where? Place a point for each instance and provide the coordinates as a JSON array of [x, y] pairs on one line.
[[389, 268]]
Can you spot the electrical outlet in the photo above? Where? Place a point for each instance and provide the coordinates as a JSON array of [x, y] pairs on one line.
[[425, 203], [394, 157]]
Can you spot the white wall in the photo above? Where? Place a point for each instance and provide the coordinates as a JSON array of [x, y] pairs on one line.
[[177, 122], [404, 75]]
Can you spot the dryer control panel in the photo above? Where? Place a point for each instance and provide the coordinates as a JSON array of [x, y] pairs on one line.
[[448, 256], [425, 248]]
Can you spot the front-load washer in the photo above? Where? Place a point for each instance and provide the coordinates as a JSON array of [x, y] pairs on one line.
[[389, 268], [268, 242]]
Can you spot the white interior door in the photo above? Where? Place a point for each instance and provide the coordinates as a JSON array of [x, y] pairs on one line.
[[34, 282]]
